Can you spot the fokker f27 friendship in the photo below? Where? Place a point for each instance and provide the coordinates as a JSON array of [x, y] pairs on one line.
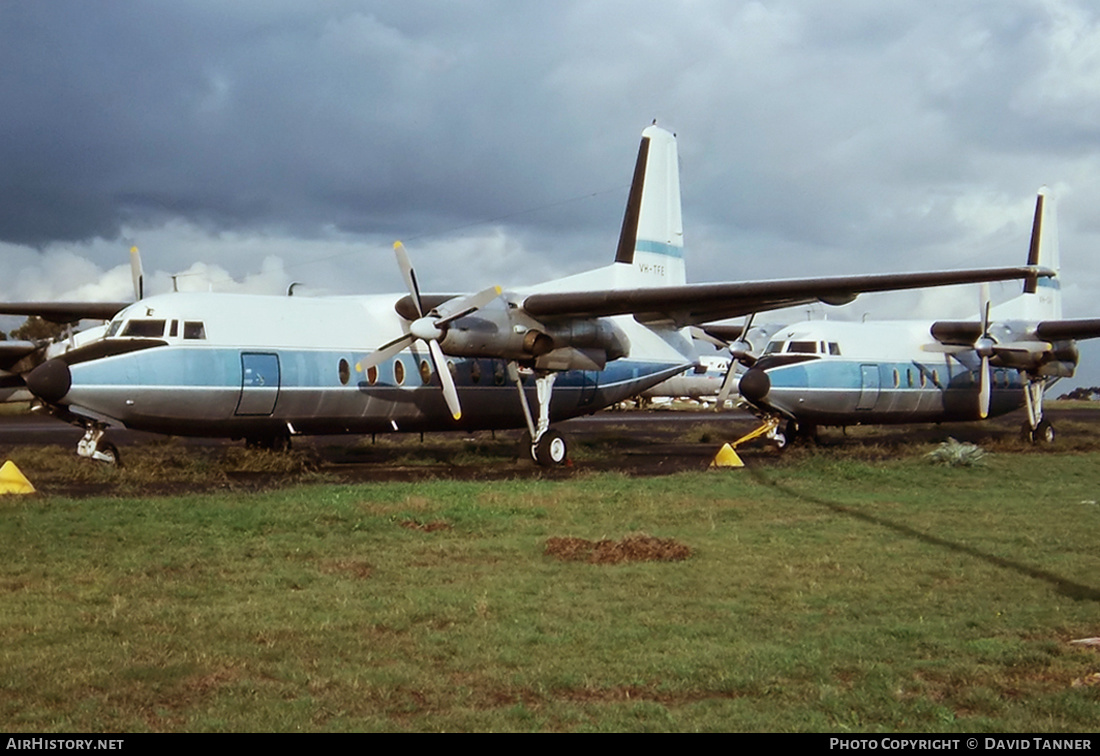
[[264, 368], [902, 371]]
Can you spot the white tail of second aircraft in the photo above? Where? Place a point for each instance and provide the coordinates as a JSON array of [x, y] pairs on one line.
[[1042, 297]]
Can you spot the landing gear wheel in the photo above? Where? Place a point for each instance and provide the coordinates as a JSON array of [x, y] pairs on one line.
[[277, 442], [109, 454], [1044, 433], [801, 433], [551, 450], [1026, 434]]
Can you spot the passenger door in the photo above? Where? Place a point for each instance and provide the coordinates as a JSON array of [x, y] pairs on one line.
[[259, 383], [868, 393]]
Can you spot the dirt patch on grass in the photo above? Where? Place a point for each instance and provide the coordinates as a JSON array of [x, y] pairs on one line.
[[426, 527], [632, 548]]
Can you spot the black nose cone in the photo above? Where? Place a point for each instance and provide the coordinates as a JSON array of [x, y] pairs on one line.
[[754, 385], [50, 381]]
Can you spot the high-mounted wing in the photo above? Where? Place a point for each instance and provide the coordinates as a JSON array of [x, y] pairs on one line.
[[964, 333], [64, 312], [701, 303], [13, 351]]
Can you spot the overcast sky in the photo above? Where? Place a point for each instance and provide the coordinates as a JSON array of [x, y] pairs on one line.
[[251, 144]]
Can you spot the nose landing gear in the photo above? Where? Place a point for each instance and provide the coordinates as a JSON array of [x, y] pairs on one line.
[[92, 445]]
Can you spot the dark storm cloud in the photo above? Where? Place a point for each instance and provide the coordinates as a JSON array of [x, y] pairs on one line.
[[847, 133], [238, 115]]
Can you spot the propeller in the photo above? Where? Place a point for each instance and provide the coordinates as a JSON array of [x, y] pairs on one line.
[[741, 351], [984, 348], [430, 328]]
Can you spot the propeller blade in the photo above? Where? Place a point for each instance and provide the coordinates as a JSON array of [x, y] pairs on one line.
[[748, 325], [384, 352], [450, 393], [460, 307], [137, 274], [699, 334], [727, 384], [983, 305], [945, 348], [984, 390], [984, 347], [408, 274]]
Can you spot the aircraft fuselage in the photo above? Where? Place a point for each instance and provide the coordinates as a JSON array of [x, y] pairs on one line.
[[838, 373], [253, 366]]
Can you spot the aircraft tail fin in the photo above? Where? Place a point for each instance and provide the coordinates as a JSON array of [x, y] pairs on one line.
[[1042, 297], [652, 236]]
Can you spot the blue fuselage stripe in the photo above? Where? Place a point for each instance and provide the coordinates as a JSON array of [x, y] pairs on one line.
[[658, 248]]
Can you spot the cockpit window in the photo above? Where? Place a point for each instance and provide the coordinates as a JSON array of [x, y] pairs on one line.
[[193, 329], [834, 348], [802, 347], [144, 328], [113, 328], [773, 347]]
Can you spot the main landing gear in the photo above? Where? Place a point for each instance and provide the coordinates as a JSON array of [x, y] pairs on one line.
[[1036, 429], [545, 446]]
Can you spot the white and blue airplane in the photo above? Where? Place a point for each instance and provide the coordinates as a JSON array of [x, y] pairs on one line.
[[265, 368], [831, 372]]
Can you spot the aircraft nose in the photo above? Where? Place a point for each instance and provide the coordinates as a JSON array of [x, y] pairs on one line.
[[50, 381], [754, 384]]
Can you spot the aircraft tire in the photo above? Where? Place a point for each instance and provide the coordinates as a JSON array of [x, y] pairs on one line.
[[1026, 433], [1044, 433], [799, 433], [279, 442], [551, 450], [111, 451]]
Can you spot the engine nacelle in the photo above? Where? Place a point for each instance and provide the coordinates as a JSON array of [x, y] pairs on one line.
[[577, 344], [504, 334], [600, 335]]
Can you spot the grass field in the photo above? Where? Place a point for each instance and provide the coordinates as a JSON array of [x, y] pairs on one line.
[[821, 594]]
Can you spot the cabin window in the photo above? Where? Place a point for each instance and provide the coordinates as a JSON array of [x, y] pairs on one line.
[[475, 371], [935, 377], [498, 373], [399, 372], [144, 328], [425, 372], [909, 376], [923, 379], [897, 378], [834, 348], [193, 329], [344, 372], [452, 369], [802, 347], [372, 374]]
